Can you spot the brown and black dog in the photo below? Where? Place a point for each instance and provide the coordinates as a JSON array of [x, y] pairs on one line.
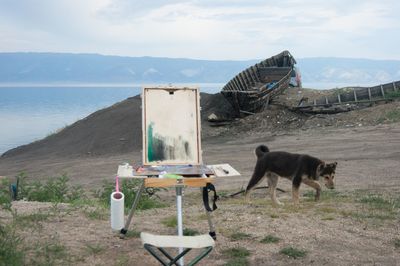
[[296, 167]]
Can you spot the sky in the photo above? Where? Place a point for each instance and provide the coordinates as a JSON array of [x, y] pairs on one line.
[[212, 30]]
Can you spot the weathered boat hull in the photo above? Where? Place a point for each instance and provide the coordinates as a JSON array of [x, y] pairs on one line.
[[348, 99], [250, 90]]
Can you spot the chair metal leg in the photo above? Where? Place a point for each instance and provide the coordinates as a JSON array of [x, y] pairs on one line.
[[180, 255], [172, 260], [200, 256], [165, 253], [155, 255]]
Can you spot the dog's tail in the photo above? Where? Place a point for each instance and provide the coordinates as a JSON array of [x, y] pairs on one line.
[[261, 150]]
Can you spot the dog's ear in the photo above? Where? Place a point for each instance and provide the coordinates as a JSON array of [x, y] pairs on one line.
[[320, 167], [334, 165]]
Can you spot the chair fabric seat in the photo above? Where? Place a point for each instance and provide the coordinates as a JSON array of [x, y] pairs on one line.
[[167, 241]]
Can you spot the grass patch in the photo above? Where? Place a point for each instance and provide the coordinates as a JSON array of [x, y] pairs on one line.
[[170, 221], [397, 243], [328, 218], [96, 214], [122, 260], [94, 249], [239, 236], [5, 194], [368, 215], [391, 116], [237, 262], [30, 220], [10, 246], [392, 94], [377, 201], [132, 234], [293, 252], [325, 195], [238, 252], [190, 232], [50, 253], [327, 210], [274, 215], [270, 239]]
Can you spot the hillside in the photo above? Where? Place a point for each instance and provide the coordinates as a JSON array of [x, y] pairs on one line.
[[117, 129], [113, 130]]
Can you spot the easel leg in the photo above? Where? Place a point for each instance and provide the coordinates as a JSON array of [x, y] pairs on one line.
[[131, 211], [179, 216], [211, 226]]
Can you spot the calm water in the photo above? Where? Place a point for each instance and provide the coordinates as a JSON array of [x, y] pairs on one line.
[[31, 113]]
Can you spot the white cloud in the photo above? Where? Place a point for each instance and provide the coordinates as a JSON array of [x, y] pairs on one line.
[[203, 29]]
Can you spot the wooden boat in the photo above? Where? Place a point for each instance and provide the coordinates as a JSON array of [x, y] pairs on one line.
[[250, 90], [350, 98]]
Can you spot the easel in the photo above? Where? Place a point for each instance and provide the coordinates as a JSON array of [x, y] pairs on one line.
[[172, 157]]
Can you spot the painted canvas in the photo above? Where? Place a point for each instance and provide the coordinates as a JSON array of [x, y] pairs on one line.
[[171, 126]]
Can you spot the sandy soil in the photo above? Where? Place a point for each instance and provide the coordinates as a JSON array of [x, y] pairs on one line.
[[367, 163]]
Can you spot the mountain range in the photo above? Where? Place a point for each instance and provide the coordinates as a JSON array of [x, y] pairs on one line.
[[64, 68]]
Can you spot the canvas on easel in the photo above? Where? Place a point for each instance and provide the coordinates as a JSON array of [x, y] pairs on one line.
[[171, 126]]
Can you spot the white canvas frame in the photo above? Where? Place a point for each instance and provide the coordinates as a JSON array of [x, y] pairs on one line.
[[171, 126]]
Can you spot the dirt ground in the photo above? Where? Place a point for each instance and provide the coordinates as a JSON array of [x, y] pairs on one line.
[[356, 224]]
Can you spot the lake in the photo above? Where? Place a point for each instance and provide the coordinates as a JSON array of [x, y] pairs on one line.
[[31, 113]]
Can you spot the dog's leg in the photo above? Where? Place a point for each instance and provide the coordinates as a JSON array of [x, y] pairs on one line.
[[295, 188], [272, 184], [295, 194], [314, 185], [250, 187], [257, 177]]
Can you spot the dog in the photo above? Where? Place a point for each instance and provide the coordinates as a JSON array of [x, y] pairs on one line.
[[299, 168]]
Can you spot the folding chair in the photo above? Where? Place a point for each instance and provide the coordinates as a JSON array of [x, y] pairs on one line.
[[160, 242]]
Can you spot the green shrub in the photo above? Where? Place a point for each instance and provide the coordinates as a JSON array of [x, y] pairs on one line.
[[10, 246], [390, 116], [55, 189], [392, 95], [5, 198]]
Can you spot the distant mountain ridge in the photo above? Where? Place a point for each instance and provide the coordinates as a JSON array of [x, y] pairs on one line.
[[94, 68]]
